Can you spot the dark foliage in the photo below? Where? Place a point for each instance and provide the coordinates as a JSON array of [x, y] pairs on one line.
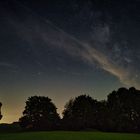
[[124, 110], [80, 113], [39, 114], [10, 128], [119, 113], [0, 111]]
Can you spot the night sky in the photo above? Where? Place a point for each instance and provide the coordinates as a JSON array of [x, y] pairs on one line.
[[64, 48]]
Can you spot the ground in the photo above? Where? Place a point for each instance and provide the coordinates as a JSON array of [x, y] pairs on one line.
[[61, 135]]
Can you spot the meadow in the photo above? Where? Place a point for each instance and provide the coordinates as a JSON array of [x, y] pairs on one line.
[[66, 135]]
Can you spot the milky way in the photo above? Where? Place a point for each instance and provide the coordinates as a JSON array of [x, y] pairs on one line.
[[74, 43]]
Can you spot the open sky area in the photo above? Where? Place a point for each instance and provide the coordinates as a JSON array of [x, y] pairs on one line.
[[65, 48]]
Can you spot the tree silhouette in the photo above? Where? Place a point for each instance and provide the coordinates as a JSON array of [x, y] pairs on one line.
[[124, 109], [39, 114], [0, 110], [103, 116], [80, 113], [119, 113]]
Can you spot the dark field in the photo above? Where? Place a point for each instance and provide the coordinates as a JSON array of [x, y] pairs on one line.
[[60, 135]]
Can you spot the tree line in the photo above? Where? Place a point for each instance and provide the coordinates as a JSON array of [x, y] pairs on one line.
[[119, 113]]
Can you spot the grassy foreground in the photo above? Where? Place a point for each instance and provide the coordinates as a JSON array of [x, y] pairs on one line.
[[68, 136]]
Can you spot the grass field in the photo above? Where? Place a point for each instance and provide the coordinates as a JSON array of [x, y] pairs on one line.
[[68, 136]]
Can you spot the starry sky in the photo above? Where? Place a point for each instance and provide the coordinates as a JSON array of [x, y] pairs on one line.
[[64, 48]]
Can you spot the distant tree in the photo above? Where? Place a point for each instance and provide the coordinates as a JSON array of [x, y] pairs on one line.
[[0, 110], [39, 114], [80, 113]]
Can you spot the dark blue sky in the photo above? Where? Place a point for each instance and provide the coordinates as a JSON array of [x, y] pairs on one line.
[[62, 49]]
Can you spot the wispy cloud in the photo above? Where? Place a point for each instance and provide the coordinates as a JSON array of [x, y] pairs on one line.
[[46, 32], [89, 54], [9, 65]]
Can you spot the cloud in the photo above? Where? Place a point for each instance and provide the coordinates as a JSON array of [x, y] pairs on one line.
[[8, 65], [89, 53], [44, 31]]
